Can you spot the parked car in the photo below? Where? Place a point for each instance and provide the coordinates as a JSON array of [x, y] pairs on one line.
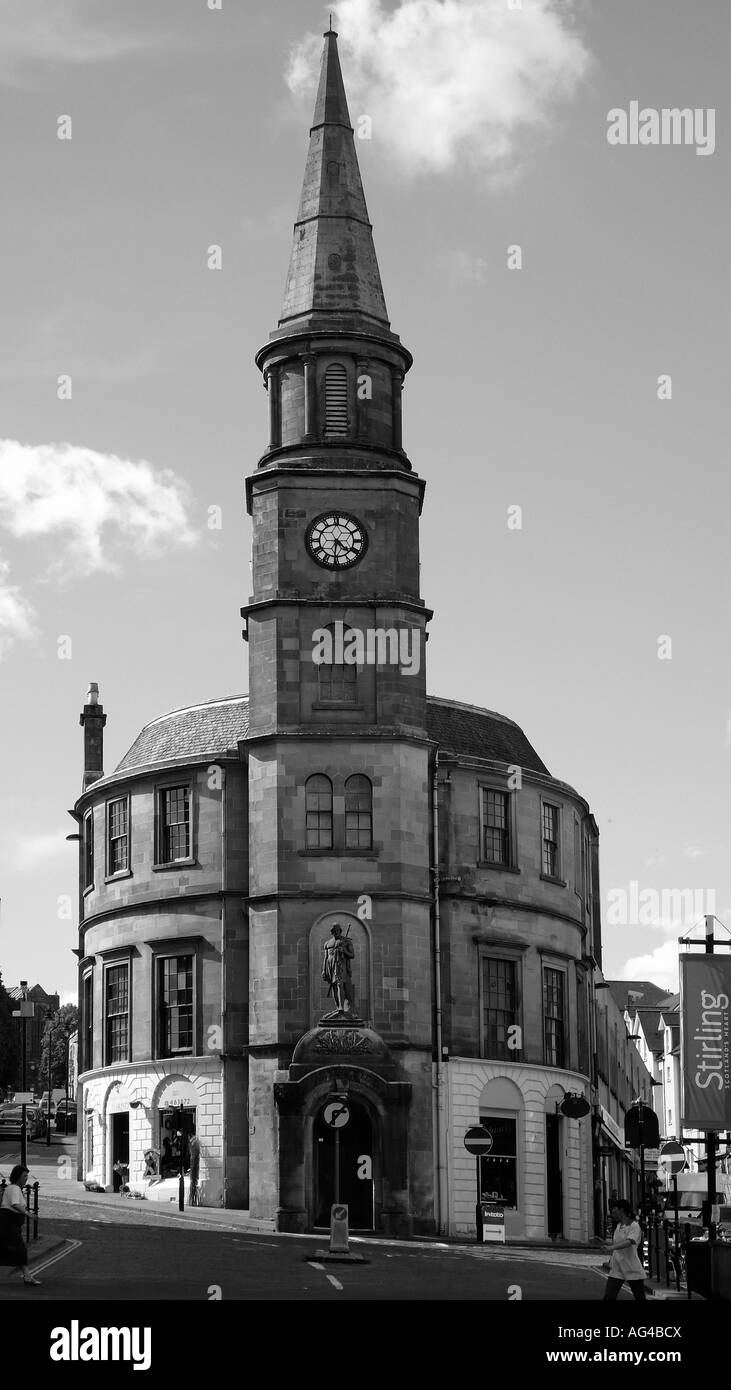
[[66, 1116], [11, 1120]]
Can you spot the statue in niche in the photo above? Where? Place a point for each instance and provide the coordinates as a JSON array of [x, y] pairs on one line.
[[337, 971]]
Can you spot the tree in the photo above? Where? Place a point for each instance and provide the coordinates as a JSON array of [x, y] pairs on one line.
[[57, 1029], [8, 1042]]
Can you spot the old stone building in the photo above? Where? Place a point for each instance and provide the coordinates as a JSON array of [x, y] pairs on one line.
[[235, 836]]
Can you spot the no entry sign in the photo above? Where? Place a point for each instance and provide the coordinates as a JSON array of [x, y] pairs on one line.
[[478, 1140], [672, 1156]]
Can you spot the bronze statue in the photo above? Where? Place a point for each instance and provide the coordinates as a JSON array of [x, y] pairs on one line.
[[336, 970]]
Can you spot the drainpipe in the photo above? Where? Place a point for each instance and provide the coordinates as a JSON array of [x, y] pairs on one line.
[[438, 997], [224, 884]]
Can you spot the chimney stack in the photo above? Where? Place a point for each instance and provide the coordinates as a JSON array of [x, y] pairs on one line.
[[92, 721]]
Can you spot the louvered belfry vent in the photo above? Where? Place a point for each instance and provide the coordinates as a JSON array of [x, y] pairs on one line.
[[336, 400]]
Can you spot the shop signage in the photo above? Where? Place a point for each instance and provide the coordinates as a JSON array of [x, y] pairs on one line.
[[612, 1128], [493, 1222], [705, 1034]]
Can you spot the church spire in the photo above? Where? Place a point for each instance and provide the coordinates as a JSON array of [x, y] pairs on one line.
[[333, 272]]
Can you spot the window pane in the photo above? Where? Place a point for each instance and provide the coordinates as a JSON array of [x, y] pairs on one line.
[[118, 837], [175, 824], [553, 1017], [318, 812], [499, 1005], [176, 1005], [550, 841], [358, 813], [117, 1015], [88, 850], [496, 846]]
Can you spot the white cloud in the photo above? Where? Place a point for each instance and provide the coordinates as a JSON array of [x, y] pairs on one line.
[[52, 32], [693, 852], [446, 81], [17, 617], [660, 966], [93, 505]]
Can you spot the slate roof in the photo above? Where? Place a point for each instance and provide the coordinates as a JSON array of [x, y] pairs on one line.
[[215, 728], [201, 731], [480, 733], [653, 997]]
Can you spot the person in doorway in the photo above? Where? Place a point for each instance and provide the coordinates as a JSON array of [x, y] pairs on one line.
[[13, 1249], [625, 1265]]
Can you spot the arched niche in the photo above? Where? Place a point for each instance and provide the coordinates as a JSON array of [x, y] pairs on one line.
[[554, 1096], [362, 980], [500, 1094]]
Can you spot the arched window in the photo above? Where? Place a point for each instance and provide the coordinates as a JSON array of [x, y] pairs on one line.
[[319, 812], [358, 813], [337, 681], [336, 400]]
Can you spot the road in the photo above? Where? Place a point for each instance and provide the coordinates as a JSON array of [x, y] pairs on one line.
[[128, 1254]]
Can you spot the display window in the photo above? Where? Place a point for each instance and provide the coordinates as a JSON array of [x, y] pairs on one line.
[[499, 1168], [177, 1128]]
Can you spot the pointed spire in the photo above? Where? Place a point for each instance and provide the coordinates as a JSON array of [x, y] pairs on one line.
[[333, 268]]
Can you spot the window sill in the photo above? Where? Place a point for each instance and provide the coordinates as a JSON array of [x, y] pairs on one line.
[[121, 873], [553, 878], [174, 864], [503, 868]]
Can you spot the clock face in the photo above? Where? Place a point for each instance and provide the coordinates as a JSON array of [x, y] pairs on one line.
[[336, 540]]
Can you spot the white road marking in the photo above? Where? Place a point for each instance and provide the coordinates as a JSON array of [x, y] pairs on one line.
[[71, 1245], [335, 1282], [316, 1266]]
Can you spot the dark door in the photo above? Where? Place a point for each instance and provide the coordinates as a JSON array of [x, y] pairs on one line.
[[554, 1194], [355, 1144], [120, 1150]]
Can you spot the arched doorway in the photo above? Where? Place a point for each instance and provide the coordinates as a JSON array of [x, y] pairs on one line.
[[355, 1146]]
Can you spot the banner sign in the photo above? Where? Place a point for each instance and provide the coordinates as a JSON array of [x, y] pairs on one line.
[[705, 1032]]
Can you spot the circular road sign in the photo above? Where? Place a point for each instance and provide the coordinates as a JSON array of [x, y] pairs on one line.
[[672, 1156], [478, 1140], [336, 1114]]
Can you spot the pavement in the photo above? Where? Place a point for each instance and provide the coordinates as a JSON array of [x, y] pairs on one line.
[[54, 1167]]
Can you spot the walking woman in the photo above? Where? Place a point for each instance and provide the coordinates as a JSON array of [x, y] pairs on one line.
[[12, 1215], [625, 1266]]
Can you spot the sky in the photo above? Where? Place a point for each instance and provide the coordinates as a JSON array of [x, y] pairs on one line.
[[581, 378]]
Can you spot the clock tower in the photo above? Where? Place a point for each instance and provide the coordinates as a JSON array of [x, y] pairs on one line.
[[339, 761]]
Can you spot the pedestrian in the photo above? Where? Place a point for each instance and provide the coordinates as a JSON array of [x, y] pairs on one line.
[[12, 1215], [625, 1265]]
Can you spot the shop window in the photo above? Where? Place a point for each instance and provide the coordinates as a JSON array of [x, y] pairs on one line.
[[499, 1168], [175, 1005], [177, 1128]]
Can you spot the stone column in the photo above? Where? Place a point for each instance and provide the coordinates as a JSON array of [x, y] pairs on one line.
[[310, 399], [362, 368], [275, 407], [397, 382]]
